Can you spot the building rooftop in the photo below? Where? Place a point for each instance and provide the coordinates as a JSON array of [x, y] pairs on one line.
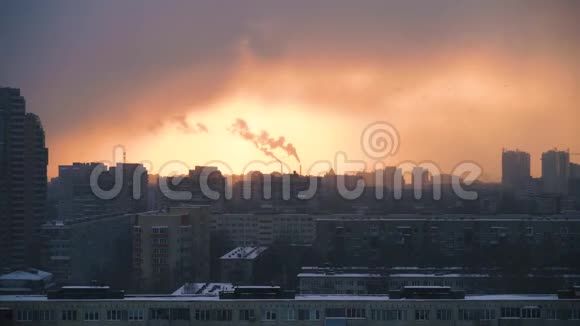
[[338, 274], [203, 288], [307, 297], [245, 253], [26, 275]]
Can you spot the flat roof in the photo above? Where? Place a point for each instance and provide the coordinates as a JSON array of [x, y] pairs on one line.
[[303, 297], [346, 275], [203, 288]]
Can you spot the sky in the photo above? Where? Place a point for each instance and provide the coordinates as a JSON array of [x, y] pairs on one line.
[[168, 80]]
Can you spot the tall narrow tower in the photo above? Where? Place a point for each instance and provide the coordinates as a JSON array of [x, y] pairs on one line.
[[23, 161]]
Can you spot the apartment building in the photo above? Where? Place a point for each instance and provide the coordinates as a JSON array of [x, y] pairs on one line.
[[474, 241], [170, 247], [271, 306], [92, 248], [263, 229]]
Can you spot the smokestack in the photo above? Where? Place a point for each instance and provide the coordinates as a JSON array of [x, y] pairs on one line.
[[281, 168], [300, 169]]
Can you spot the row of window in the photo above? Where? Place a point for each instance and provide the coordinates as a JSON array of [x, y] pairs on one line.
[[472, 314], [71, 315]]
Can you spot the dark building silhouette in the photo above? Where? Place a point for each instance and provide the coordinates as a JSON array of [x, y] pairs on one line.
[[75, 198], [515, 169], [555, 172], [23, 161]]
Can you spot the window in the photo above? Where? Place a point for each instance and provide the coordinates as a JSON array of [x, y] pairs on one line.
[[135, 315], [421, 314], [202, 314], [247, 314], [531, 312], [308, 314], [269, 315], [91, 315], [529, 231], [509, 312], [114, 315], [291, 314], [162, 241], [221, 314], [45, 315], [24, 315], [159, 229], [443, 314], [179, 314], [476, 314], [159, 314], [69, 315], [355, 313]]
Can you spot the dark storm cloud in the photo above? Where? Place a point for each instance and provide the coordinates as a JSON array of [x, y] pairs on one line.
[[81, 60], [136, 63]]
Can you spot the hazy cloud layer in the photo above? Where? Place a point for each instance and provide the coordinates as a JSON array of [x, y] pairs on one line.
[[457, 77]]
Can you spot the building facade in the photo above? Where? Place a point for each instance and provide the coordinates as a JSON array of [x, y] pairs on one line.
[[170, 248], [340, 310], [94, 248], [472, 241], [264, 229]]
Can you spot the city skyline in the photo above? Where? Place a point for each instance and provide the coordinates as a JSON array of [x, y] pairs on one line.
[[336, 163], [455, 86]]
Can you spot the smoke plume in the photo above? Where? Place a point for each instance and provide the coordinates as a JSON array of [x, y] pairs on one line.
[[263, 141], [180, 121]]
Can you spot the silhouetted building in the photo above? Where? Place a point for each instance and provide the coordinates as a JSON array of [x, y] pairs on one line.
[[76, 196], [73, 194], [555, 172], [23, 161], [515, 169]]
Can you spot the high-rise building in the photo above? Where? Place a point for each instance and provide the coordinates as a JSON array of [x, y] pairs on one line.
[[73, 195], [76, 197], [171, 247], [515, 168], [23, 161], [555, 172]]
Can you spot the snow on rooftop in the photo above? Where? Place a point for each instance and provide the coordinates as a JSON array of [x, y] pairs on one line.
[[244, 253], [203, 288], [26, 275]]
